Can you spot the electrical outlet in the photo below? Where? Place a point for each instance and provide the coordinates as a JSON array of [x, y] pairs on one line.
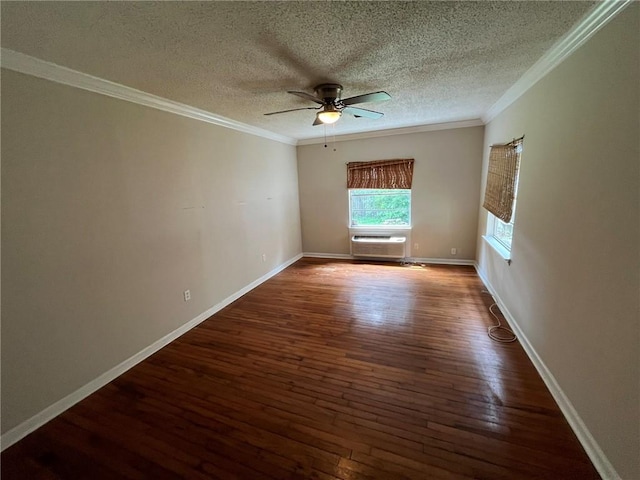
[[454, 251], [187, 295], [415, 246], [264, 257]]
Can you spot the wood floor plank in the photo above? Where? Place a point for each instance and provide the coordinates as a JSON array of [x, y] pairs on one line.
[[330, 370]]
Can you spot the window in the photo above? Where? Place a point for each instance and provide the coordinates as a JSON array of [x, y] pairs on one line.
[[370, 207], [504, 165], [503, 232]]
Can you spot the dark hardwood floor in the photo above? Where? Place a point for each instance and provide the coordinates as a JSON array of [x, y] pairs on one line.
[[329, 370]]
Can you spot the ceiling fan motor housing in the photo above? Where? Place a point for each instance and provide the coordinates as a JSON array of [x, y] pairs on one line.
[[329, 92]]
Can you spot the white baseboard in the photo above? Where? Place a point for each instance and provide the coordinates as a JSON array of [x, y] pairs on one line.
[[52, 411], [438, 261], [337, 256], [591, 447], [441, 261]]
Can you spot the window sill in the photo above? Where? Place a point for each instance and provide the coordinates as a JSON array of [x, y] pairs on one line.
[[380, 227], [498, 247]]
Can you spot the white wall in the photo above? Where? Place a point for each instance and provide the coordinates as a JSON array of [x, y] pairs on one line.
[[573, 286], [445, 190], [110, 211]]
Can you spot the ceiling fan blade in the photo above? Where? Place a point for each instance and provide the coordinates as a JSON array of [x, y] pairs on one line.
[[367, 97], [307, 96], [361, 112], [293, 110], [317, 122]]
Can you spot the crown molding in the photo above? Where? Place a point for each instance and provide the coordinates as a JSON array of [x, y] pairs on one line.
[[585, 29], [475, 122], [35, 67], [588, 26]]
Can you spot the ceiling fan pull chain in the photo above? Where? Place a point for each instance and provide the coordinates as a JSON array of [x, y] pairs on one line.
[[333, 133]]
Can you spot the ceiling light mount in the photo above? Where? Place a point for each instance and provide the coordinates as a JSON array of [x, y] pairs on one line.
[[329, 115]]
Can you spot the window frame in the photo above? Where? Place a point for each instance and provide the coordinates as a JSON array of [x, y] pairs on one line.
[[502, 247], [379, 227], [497, 222]]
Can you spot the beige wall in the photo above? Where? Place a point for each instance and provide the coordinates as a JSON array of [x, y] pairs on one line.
[[573, 286], [445, 191], [110, 211]]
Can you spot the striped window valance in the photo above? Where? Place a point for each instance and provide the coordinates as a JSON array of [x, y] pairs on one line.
[[504, 162], [380, 174]]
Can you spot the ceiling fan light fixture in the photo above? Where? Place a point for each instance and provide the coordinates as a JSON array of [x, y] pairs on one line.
[[329, 116], [329, 97]]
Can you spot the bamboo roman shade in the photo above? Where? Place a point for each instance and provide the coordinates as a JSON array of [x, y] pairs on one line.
[[504, 162], [380, 174]]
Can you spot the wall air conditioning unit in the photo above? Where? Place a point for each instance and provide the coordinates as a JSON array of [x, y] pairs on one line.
[[378, 246]]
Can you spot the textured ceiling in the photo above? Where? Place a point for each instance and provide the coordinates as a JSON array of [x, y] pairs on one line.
[[440, 61]]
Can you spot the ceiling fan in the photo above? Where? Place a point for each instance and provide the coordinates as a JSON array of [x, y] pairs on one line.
[[328, 95]]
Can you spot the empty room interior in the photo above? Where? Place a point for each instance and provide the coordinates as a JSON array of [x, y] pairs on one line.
[[274, 239]]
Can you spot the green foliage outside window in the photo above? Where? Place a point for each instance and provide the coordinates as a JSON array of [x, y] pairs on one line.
[[376, 207]]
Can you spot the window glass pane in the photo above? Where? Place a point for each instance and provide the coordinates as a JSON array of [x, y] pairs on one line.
[[503, 232], [373, 207]]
